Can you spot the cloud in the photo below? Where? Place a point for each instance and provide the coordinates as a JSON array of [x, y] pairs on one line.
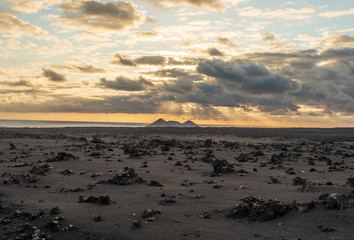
[[123, 60], [53, 76], [126, 84], [180, 86], [133, 62], [81, 69], [18, 83], [11, 26], [218, 5], [96, 16], [150, 60], [30, 6], [267, 36], [214, 52], [246, 75], [284, 13], [339, 13], [226, 41], [147, 34]]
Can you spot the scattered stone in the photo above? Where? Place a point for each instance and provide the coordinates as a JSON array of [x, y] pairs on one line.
[[66, 172], [128, 177], [337, 201], [350, 181], [136, 224], [205, 215], [155, 184], [290, 171], [55, 211], [147, 213], [273, 180], [259, 210], [97, 219], [328, 230], [62, 156], [42, 169], [101, 200], [306, 207], [13, 178], [97, 141], [167, 201], [221, 167]]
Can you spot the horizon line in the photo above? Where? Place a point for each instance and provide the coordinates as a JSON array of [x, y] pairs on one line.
[[202, 125]]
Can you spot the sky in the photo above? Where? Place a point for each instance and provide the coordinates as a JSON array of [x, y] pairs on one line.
[[273, 63]]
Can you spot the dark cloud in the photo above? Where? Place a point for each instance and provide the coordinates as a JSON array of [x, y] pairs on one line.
[[273, 85], [133, 62], [218, 5], [176, 73], [226, 41], [267, 36], [215, 52], [53, 76], [123, 60], [236, 71], [150, 60], [126, 84], [180, 86], [19, 83], [81, 69], [116, 16], [90, 69]]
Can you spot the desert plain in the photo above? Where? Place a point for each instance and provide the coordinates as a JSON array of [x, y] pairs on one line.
[[198, 183]]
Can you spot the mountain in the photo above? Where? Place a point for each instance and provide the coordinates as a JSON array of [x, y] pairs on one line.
[[162, 123]]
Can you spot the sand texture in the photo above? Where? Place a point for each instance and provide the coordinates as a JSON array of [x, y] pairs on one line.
[[138, 183]]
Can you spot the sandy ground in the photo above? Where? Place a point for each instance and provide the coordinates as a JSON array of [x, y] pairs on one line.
[[100, 183]]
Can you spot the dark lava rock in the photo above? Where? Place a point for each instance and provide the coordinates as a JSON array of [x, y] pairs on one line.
[[128, 177], [147, 213], [42, 169], [155, 183], [273, 180], [167, 201], [62, 156], [276, 159], [54, 224], [244, 157], [12, 146], [205, 215], [306, 207], [337, 201], [101, 200], [305, 184], [97, 141], [350, 181], [13, 178], [208, 143], [290, 171], [136, 224], [299, 181], [97, 219], [257, 209], [221, 167], [55, 211], [66, 172]]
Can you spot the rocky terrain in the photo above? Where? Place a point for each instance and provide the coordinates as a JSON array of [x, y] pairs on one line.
[[200, 183]]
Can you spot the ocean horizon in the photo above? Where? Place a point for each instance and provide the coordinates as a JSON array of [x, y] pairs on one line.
[[6, 123]]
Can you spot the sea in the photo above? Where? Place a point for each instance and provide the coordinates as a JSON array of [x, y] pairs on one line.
[[62, 124]]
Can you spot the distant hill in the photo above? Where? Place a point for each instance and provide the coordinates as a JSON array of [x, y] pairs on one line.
[[162, 123]]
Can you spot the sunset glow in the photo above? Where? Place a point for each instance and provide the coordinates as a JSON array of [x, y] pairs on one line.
[[223, 62]]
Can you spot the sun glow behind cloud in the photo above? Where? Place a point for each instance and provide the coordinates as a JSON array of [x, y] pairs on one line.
[[226, 62]]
